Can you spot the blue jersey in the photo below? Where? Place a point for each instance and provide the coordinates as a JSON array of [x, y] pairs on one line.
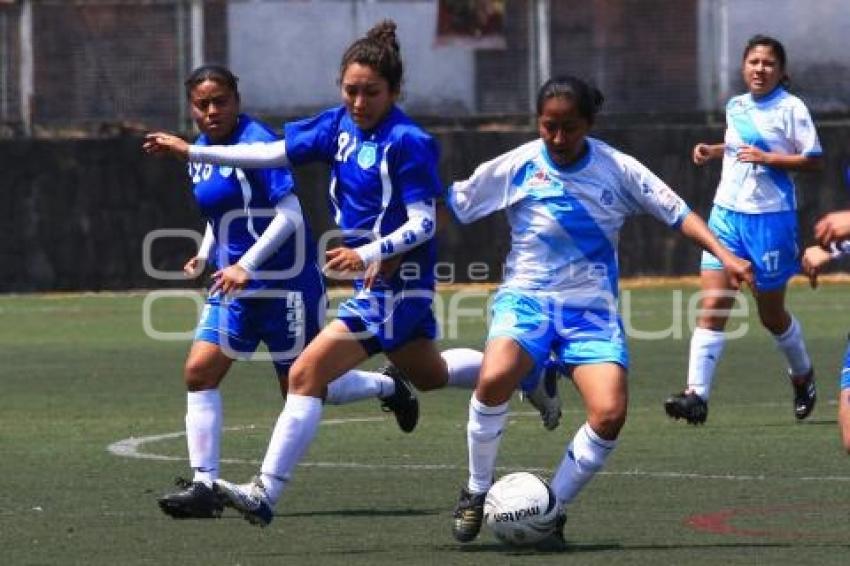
[[373, 176], [240, 205]]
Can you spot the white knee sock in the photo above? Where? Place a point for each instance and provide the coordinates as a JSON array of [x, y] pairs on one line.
[[585, 456], [355, 384], [463, 365], [791, 344], [296, 426], [706, 349], [203, 433], [483, 435]]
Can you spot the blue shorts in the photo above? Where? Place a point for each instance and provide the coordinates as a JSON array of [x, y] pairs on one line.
[[769, 241], [575, 336], [384, 321], [285, 321]]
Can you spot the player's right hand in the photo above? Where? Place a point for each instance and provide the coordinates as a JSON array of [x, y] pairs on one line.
[[194, 267], [159, 143], [739, 271], [814, 258], [701, 154], [833, 227]]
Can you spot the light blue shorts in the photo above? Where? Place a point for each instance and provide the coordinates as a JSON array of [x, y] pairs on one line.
[[574, 336], [769, 241], [285, 321], [844, 382]]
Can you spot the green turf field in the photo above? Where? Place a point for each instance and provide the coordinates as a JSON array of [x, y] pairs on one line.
[[78, 375]]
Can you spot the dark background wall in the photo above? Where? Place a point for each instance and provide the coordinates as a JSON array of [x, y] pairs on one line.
[[75, 213]]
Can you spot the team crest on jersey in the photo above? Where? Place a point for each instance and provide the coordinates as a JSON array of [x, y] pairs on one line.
[[225, 171], [367, 155], [539, 179], [606, 198]]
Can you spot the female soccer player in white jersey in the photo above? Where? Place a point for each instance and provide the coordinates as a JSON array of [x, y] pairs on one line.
[[268, 287], [566, 196], [384, 185], [833, 234], [769, 133]]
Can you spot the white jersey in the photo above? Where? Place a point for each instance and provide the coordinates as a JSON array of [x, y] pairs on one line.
[[565, 221], [778, 123]]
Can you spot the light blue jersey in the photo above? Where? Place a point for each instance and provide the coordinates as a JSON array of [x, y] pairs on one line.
[[565, 221], [778, 122], [561, 283]]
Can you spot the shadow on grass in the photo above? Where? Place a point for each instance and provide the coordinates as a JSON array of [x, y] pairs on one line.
[[807, 422], [494, 547], [364, 513]]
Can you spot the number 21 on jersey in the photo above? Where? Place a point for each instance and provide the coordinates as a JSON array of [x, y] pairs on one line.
[[346, 143]]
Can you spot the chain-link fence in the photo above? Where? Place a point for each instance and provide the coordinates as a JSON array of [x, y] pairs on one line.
[[94, 65]]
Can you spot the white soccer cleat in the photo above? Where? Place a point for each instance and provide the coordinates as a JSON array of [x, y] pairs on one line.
[[249, 499], [545, 398]]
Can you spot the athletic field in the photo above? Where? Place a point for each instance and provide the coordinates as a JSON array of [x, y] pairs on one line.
[[91, 421]]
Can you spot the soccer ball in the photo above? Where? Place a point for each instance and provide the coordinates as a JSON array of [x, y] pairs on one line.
[[521, 509]]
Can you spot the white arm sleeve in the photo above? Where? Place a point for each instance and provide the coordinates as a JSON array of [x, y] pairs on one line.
[[245, 155], [206, 243], [287, 219], [491, 186], [840, 249], [419, 228]]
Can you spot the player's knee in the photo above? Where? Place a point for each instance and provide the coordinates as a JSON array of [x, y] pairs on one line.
[[299, 378], [608, 421], [199, 376], [775, 323], [494, 388]]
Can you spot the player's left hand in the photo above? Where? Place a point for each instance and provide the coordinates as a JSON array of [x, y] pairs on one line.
[[383, 269], [739, 271], [752, 154], [160, 143], [343, 259], [814, 258], [230, 280]]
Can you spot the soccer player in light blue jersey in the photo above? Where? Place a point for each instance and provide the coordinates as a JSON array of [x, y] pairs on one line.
[[769, 133], [267, 286], [833, 234], [384, 185], [566, 196]]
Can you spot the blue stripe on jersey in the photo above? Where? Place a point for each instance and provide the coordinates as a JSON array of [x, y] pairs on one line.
[[748, 131], [585, 233]]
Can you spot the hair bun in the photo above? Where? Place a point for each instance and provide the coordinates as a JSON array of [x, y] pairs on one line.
[[384, 32]]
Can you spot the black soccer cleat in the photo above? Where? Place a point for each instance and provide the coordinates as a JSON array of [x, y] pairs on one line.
[[403, 403], [556, 541], [687, 405], [805, 395], [193, 501], [468, 515]]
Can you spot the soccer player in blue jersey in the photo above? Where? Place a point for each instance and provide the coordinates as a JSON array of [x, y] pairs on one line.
[[769, 133], [566, 196], [833, 234], [384, 185], [268, 287]]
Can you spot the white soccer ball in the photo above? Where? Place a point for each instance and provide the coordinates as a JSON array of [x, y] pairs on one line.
[[521, 509]]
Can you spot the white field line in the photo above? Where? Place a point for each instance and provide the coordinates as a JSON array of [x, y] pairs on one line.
[[133, 448]]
